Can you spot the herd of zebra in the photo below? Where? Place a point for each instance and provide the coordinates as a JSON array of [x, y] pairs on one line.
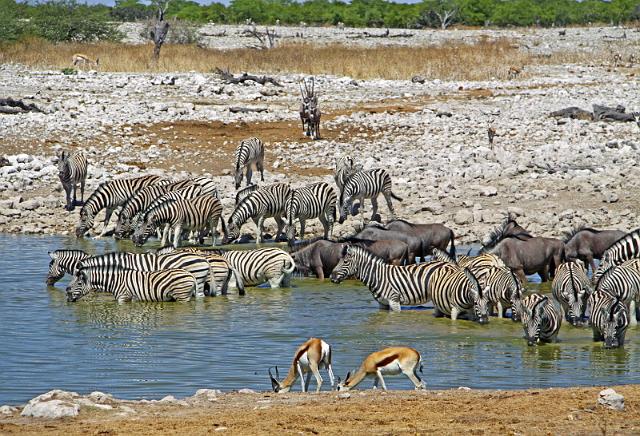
[[474, 287]]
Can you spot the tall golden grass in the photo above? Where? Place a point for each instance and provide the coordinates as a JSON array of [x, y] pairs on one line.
[[482, 60]]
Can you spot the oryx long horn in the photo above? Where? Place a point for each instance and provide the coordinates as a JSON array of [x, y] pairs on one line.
[[301, 90], [313, 86]]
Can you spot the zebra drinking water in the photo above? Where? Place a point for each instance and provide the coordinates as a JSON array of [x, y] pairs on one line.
[[250, 155], [367, 184], [313, 201], [609, 318], [541, 320], [64, 262], [623, 281], [503, 290], [72, 170], [255, 267], [571, 288]]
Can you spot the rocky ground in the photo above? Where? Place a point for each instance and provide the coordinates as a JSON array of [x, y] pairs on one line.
[[574, 411], [431, 137]]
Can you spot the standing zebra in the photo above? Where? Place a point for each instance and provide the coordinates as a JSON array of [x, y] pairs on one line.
[[125, 285], [249, 154], [255, 267], [571, 288], [623, 281], [313, 201], [109, 196], [199, 214], [345, 168], [194, 263], [504, 290], [541, 320], [72, 170], [391, 286], [609, 318], [625, 248], [63, 261], [367, 184], [245, 192], [456, 291], [268, 201]]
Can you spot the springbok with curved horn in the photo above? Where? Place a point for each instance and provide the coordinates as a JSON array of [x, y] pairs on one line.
[[309, 357], [392, 360]]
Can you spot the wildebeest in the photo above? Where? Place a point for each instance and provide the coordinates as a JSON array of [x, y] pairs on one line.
[[586, 244], [525, 254], [373, 232], [431, 236], [509, 227], [321, 256]]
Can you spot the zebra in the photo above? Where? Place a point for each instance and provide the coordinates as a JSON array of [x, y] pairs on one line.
[[195, 264], [367, 184], [268, 201], [249, 154], [261, 265], [623, 281], [609, 318], [63, 262], [109, 196], [312, 201], [345, 168], [244, 193], [456, 291], [72, 170], [541, 320], [125, 284], [197, 214], [571, 288], [625, 248], [504, 290], [391, 286]]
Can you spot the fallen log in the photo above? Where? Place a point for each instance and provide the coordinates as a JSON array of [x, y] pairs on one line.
[[574, 113], [229, 78], [11, 106], [611, 113], [385, 34], [244, 110]]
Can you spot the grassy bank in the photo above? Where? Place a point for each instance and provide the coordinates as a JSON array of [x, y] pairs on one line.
[[483, 60]]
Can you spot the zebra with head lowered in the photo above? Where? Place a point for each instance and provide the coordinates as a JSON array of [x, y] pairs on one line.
[[254, 267], [72, 170], [249, 154], [125, 284], [64, 262], [367, 184], [609, 318], [309, 110], [109, 196], [268, 201], [541, 320], [571, 288], [312, 201], [625, 248], [345, 168], [504, 290], [195, 264], [623, 281], [198, 214]]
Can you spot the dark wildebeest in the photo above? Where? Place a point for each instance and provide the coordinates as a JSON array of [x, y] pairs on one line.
[[322, 256], [374, 232], [525, 254], [586, 244], [509, 227], [431, 235]]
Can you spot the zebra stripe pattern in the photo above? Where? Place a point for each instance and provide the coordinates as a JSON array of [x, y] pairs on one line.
[[625, 248], [571, 288], [63, 262], [391, 286], [244, 193], [367, 184], [609, 318], [456, 291], [268, 201], [72, 170], [195, 264], [109, 196], [125, 285], [198, 214], [249, 154], [541, 320], [255, 267], [503, 290], [345, 168], [623, 281], [313, 201]]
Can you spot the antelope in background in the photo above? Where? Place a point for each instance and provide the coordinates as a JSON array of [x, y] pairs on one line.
[[514, 72], [392, 360], [82, 59], [309, 111], [309, 357]]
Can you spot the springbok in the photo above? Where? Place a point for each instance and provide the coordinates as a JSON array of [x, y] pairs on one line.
[[514, 72], [392, 360], [82, 59], [309, 357]]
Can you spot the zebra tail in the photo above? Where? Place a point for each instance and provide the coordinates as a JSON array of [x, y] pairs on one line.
[[452, 250], [225, 283], [395, 196], [291, 269]]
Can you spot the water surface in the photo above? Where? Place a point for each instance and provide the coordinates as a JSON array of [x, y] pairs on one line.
[[148, 350]]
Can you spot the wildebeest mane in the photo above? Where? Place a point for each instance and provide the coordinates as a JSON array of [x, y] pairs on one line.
[[297, 246], [575, 230]]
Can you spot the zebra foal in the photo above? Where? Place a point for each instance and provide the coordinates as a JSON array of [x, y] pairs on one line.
[[571, 288], [313, 201], [609, 318], [367, 184], [72, 170], [250, 155], [125, 285], [541, 320]]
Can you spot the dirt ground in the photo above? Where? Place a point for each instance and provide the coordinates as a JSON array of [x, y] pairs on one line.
[[538, 411]]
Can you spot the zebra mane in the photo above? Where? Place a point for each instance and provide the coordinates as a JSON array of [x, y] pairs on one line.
[[443, 256], [607, 273], [577, 229], [613, 308], [634, 234]]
